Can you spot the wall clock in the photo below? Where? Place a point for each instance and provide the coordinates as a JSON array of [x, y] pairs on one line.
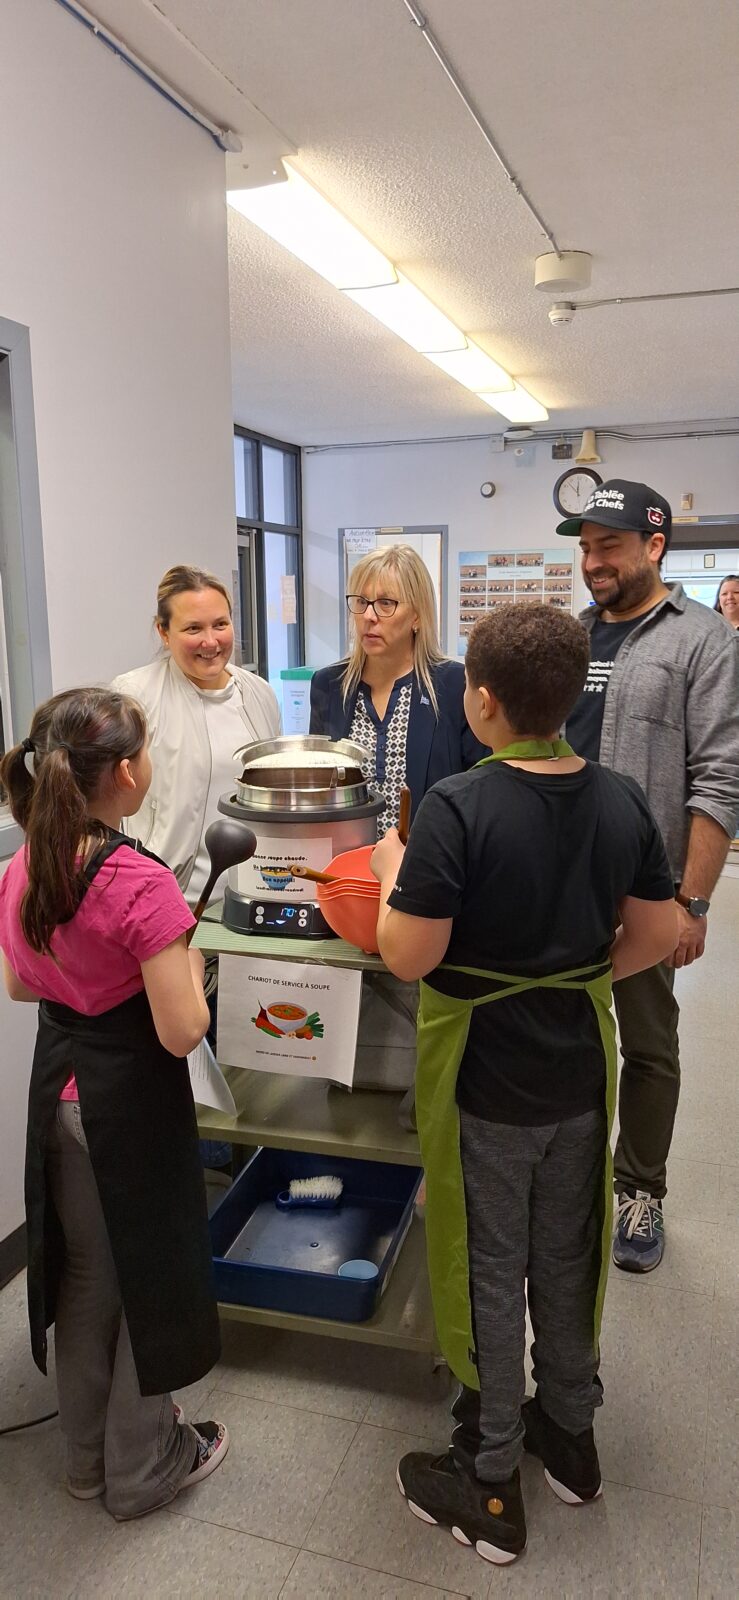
[[572, 490]]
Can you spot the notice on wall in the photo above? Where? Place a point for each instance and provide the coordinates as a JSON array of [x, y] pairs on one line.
[[511, 577], [288, 602], [360, 541], [284, 1016]]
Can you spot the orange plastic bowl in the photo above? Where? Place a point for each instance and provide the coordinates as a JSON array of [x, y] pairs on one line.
[[353, 916], [354, 864]]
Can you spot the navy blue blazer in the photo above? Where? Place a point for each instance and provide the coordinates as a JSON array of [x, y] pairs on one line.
[[436, 747]]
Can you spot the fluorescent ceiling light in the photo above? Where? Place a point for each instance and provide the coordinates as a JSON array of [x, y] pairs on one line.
[[403, 309], [517, 406], [474, 368], [298, 217]]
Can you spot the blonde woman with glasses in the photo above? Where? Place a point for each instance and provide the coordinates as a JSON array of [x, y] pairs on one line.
[[395, 693], [398, 697]]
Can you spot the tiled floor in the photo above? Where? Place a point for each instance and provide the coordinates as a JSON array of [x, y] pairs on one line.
[[306, 1506]]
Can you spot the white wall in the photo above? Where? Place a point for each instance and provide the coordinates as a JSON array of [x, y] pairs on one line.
[[440, 484], [114, 253]]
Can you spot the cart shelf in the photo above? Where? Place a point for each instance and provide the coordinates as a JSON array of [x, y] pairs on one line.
[[215, 939], [305, 1114]]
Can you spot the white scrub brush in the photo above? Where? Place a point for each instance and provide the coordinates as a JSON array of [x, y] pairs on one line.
[[319, 1192]]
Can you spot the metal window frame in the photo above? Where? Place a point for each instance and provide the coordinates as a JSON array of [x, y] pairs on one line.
[[259, 526], [29, 661]]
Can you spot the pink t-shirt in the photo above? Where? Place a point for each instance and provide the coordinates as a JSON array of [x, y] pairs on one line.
[[132, 910]]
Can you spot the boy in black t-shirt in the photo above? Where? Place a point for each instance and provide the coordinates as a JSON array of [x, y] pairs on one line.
[[507, 898]]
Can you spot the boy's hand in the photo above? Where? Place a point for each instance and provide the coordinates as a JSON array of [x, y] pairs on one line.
[[387, 856]]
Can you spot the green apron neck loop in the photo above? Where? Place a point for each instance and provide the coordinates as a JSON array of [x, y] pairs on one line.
[[531, 750]]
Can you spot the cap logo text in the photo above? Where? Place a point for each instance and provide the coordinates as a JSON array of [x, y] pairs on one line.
[[609, 499]]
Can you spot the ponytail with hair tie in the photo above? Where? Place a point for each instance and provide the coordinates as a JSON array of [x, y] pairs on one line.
[[54, 800]]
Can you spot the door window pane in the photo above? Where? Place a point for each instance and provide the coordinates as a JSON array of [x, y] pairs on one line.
[[245, 475], [279, 485], [282, 597]]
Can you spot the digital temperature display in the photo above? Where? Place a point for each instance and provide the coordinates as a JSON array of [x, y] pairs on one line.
[[302, 921]]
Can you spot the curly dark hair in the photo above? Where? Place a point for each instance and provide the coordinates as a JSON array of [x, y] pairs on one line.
[[534, 659]]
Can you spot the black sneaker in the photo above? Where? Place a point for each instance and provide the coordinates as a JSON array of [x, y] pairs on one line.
[[571, 1465], [489, 1516]]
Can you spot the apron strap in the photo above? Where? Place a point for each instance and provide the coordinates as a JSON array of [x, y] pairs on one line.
[[510, 983]]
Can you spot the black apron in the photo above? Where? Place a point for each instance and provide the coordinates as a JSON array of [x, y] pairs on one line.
[[139, 1120]]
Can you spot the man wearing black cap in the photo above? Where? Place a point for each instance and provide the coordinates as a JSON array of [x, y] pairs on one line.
[[661, 705]]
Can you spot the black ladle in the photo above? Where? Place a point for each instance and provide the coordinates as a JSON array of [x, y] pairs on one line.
[[227, 842]]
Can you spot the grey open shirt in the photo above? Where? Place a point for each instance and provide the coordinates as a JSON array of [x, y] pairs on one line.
[[671, 717]]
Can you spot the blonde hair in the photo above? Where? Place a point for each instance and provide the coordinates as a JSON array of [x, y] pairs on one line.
[[415, 588], [183, 580]]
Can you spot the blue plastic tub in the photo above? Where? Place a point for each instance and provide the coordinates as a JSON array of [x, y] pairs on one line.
[[290, 1260]]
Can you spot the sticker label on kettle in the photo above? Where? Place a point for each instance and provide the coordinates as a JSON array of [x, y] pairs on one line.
[[267, 875]]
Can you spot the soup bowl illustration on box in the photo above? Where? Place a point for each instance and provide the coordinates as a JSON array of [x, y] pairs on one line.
[[285, 1019], [275, 877]]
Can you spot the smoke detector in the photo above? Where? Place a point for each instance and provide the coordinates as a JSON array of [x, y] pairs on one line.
[[518, 435], [561, 313], [562, 273]]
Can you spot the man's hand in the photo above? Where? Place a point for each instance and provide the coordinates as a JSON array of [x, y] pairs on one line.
[[387, 856], [691, 939]]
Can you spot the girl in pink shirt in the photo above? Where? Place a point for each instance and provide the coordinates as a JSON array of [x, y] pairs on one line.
[[93, 928]]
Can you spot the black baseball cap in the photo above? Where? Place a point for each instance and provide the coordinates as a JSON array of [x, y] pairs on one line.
[[621, 504]]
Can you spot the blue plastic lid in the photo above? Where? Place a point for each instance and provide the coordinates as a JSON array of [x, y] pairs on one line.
[[358, 1269]]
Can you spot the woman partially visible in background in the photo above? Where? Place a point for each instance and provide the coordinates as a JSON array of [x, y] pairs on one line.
[[727, 599]]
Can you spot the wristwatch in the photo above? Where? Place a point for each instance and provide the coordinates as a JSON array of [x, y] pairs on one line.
[[693, 904]]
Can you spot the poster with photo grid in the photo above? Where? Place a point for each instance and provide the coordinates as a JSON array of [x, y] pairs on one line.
[[490, 578]]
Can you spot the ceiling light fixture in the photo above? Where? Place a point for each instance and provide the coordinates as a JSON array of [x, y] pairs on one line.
[[474, 368], [403, 309], [298, 217], [517, 406], [295, 215]]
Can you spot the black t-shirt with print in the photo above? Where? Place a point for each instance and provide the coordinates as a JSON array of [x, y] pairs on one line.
[[532, 867], [585, 721]]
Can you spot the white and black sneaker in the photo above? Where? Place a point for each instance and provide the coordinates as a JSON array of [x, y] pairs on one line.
[[211, 1448]]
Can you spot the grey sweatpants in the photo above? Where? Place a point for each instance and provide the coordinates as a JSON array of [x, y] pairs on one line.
[[535, 1203], [115, 1437]]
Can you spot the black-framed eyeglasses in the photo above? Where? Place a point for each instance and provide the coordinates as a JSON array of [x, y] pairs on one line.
[[383, 606]]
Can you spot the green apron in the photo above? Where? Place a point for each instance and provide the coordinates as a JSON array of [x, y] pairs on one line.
[[443, 1026]]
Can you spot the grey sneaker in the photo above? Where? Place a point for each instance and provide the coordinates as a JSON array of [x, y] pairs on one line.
[[639, 1237]]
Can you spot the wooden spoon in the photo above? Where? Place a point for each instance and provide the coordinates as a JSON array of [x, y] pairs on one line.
[[314, 877], [404, 815]]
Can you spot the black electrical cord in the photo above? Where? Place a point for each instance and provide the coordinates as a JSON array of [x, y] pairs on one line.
[[17, 1427]]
